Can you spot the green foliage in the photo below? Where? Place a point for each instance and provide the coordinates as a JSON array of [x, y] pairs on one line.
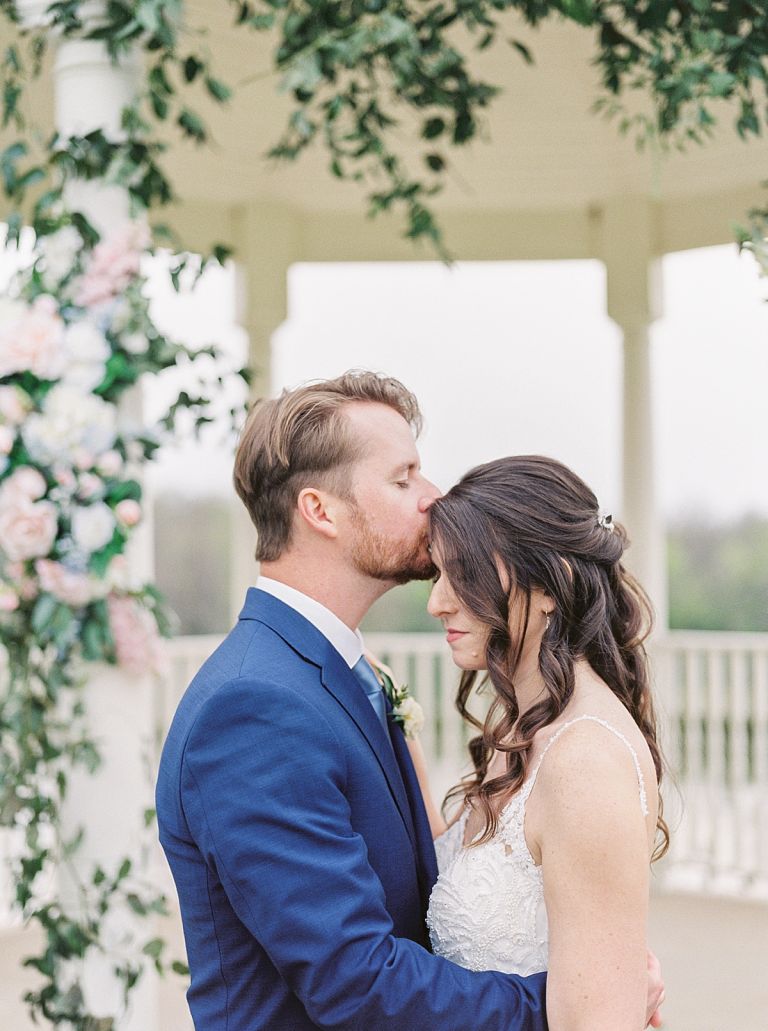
[[359, 74], [718, 575]]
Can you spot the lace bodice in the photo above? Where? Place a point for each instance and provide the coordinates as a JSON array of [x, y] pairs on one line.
[[486, 911]]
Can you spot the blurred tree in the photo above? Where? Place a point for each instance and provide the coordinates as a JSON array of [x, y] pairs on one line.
[[718, 575]]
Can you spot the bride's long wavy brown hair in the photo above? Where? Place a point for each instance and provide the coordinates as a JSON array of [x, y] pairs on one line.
[[533, 519]]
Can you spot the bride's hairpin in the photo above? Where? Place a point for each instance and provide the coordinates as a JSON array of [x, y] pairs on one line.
[[606, 522]]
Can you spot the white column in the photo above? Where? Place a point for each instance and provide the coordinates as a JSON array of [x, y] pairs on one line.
[[634, 302], [89, 93], [267, 243]]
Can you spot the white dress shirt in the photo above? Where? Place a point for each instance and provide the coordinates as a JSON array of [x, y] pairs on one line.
[[348, 643]]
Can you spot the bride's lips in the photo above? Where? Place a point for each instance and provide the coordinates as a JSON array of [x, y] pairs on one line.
[[453, 635]]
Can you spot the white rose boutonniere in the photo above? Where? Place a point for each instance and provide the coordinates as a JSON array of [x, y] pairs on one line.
[[406, 711]]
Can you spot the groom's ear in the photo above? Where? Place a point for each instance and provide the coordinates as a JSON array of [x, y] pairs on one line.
[[319, 511]]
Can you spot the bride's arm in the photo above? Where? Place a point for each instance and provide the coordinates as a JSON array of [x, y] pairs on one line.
[[436, 822], [593, 842]]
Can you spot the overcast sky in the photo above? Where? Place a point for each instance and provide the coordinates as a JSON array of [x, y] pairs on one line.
[[514, 358], [520, 357]]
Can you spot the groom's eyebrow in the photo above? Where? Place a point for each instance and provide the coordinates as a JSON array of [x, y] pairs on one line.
[[405, 467]]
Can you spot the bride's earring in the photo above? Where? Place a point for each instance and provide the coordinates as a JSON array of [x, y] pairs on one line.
[[549, 620]]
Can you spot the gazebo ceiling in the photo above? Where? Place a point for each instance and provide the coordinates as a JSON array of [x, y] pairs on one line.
[[540, 149], [541, 146]]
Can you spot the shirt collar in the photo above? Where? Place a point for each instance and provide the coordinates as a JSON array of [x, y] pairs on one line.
[[348, 643]]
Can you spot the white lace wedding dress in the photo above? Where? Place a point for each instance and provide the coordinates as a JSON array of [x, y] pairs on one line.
[[486, 911]]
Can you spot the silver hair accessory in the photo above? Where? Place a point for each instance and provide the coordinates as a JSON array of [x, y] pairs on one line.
[[606, 522]]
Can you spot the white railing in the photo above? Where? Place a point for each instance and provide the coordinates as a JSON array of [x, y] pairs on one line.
[[712, 693], [712, 696]]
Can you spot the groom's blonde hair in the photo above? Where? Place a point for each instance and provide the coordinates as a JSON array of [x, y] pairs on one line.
[[302, 439]]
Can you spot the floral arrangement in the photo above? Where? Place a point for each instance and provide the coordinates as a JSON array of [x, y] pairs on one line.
[[75, 335], [405, 711]]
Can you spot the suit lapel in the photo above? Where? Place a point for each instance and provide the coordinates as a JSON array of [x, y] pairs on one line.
[[425, 849], [339, 680]]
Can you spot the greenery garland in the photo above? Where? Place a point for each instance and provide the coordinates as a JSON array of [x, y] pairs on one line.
[[75, 335]]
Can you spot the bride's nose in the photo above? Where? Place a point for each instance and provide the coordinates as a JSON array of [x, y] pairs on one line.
[[439, 603]]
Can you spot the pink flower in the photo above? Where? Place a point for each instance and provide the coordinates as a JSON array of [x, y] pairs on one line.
[[110, 463], [128, 512], [64, 477], [89, 486], [7, 437], [83, 459], [27, 529], [14, 404], [16, 576], [115, 261], [137, 642], [9, 599], [24, 484], [33, 341], [75, 589]]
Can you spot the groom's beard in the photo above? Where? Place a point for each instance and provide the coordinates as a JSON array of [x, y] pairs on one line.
[[381, 558]]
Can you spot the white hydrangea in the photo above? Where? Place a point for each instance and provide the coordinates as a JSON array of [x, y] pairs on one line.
[[70, 422], [135, 343], [87, 354], [92, 526], [59, 250]]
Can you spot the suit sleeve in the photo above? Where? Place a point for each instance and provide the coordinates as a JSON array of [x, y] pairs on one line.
[[263, 790]]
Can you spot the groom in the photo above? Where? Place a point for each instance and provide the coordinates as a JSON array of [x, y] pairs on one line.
[[288, 806]]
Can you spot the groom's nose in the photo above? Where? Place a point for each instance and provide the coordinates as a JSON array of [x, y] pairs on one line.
[[430, 494]]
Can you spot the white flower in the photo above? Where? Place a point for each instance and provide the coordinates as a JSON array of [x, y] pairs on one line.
[[135, 343], [412, 716], [70, 423], [110, 463], [85, 343], [92, 526], [59, 250], [87, 354]]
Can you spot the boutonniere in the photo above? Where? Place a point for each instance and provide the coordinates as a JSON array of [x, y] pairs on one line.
[[406, 711]]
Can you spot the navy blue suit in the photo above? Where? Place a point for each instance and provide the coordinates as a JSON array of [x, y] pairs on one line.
[[302, 854]]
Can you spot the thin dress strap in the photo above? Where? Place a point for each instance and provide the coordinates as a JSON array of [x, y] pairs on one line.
[[616, 733]]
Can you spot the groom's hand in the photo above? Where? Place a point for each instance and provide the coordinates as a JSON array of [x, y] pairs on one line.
[[655, 992]]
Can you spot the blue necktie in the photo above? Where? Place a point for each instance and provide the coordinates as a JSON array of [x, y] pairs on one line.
[[364, 673]]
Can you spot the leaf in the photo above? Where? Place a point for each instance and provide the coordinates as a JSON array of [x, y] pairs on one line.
[[304, 73], [433, 127], [581, 11], [523, 50], [218, 90], [154, 948], [192, 125], [43, 612], [435, 162], [192, 68]]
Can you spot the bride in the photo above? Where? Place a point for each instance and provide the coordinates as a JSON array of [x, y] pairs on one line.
[[546, 865]]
